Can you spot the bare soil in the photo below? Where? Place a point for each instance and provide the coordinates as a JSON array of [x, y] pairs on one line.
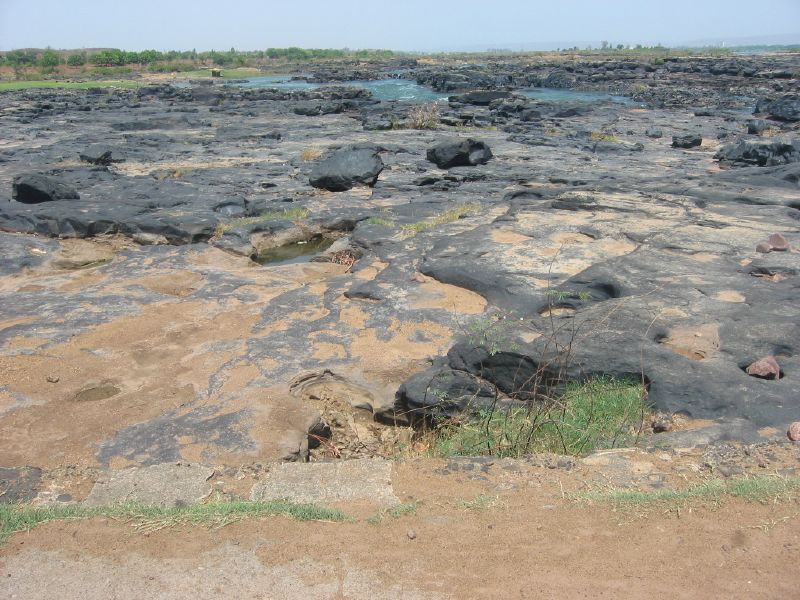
[[504, 530]]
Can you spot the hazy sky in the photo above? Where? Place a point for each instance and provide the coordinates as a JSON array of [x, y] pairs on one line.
[[400, 25]]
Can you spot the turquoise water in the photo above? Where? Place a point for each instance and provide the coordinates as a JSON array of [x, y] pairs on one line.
[[382, 89], [410, 91], [556, 95]]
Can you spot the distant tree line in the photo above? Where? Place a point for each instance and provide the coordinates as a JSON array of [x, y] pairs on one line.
[[49, 59]]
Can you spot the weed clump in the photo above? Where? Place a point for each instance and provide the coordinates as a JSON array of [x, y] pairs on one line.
[[424, 116], [600, 413]]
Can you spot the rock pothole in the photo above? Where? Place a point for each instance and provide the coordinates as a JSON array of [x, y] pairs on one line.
[[348, 428], [95, 393], [695, 343]]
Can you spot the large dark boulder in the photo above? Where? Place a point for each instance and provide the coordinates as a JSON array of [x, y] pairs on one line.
[[480, 97], [32, 188], [760, 154], [441, 393], [347, 168], [691, 140], [459, 153], [785, 108]]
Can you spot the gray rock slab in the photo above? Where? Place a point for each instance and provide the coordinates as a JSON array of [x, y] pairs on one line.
[[365, 479], [162, 485]]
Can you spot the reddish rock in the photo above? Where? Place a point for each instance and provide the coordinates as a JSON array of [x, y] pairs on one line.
[[766, 368], [778, 242], [794, 432], [764, 247]]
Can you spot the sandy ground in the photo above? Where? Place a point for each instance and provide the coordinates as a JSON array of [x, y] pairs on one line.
[[468, 538]]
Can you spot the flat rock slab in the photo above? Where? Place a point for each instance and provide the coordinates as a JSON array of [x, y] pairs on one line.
[[19, 484], [162, 485], [366, 479]]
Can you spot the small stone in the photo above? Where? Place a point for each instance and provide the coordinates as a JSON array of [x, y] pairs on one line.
[[778, 242], [53, 378], [411, 534], [764, 247], [730, 470], [794, 432], [662, 423], [765, 368]]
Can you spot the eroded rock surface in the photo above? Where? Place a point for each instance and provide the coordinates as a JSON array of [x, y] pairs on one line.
[[135, 330]]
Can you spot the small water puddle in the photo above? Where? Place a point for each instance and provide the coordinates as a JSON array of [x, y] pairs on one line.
[[298, 252]]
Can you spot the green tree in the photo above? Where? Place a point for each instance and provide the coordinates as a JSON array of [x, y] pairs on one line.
[[76, 60], [108, 58], [19, 59]]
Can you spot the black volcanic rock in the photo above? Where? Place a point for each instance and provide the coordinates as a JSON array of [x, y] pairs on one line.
[[785, 108], [691, 140], [32, 188], [347, 168], [761, 154], [459, 153]]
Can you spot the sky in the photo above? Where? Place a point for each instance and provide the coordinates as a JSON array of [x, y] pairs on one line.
[[411, 25]]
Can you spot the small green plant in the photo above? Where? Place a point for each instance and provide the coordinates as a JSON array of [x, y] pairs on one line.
[[448, 216], [146, 519], [424, 116], [561, 295], [379, 221], [765, 488], [600, 413], [494, 333], [395, 512], [602, 136], [270, 215], [480, 502]]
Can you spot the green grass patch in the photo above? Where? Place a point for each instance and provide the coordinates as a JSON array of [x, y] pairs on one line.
[[561, 295], [600, 413], [764, 488], [601, 136], [379, 221], [448, 216], [73, 85], [270, 215], [395, 512], [15, 517], [480, 502]]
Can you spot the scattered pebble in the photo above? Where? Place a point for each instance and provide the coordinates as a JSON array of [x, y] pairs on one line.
[[53, 378], [794, 432], [763, 247], [412, 535], [778, 242], [766, 368]]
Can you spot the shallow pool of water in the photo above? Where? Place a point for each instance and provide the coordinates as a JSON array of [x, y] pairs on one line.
[[382, 89], [410, 91], [558, 95], [298, 252]]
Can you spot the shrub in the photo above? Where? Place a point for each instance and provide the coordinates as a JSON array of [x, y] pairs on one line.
[[49, 60], [637, 88], [76, 60], [424, 116], [600, 413], [311, 154]]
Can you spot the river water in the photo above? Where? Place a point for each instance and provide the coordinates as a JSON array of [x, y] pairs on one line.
[[410, 91]]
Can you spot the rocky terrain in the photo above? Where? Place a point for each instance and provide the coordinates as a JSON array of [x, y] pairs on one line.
[[519, 240]]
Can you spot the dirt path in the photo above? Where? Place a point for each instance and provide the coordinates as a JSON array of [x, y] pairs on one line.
[[469, 531]]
